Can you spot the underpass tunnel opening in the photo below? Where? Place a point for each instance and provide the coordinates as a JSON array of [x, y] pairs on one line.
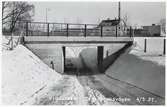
[[72, 62], [77, 58]]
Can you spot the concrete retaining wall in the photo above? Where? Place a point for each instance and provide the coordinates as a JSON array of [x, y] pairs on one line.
[[109, 60], [48, 53]]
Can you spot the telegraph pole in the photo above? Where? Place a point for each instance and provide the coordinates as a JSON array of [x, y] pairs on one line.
[[119, 10], [46, 15], [47, 9]]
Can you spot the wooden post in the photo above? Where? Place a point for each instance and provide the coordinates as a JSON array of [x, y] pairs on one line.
[[22, 41], [85, 30], [52, 64], [48, 29], [26, 28], [100, 58], [64, 56], [145, 45], [67, 29], [164, 52], [11, 45], [101, 31], [116, 33]]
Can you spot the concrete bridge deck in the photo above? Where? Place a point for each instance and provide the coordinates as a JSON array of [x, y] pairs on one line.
[[75, 40]]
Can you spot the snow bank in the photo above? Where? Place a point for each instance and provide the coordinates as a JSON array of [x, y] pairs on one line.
[[141, 70], [24, 75]]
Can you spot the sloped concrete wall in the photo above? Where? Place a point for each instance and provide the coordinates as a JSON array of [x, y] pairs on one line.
[[109, 60], [48, 53], [89, 56]]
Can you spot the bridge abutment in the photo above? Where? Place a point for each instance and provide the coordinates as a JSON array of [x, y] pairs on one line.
[[54, 49]]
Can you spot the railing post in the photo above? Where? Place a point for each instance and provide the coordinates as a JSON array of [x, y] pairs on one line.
[[48, 29], [145, 45], [64, 56], [26, 28], [101, 31], [67, 29], [85, 30], [164, 52], [130, 33], [116, 31]]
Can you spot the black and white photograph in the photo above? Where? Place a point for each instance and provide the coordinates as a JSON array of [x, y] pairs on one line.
[[83, 52]]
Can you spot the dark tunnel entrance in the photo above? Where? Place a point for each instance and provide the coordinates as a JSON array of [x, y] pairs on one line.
[[82, 60]]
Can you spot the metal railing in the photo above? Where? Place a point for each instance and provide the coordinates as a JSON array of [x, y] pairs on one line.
[[71, 29]]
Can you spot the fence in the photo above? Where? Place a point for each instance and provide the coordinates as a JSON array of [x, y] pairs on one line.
[[149, 31], [154, 45], [69, 29]]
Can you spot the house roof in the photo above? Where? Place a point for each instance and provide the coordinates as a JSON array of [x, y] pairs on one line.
[[109, 22]]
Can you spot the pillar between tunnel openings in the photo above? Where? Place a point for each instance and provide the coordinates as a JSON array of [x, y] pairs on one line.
[[64, 56], [100, 58]]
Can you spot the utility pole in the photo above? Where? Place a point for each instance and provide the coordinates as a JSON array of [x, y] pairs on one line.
[[119, 10], [47, 9], [46, 15]]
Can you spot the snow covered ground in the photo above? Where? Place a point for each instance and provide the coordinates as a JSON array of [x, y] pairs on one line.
[[24, 75]]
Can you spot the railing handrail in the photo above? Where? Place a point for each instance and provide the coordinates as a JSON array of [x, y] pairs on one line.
[[24, 21], [87, 29]]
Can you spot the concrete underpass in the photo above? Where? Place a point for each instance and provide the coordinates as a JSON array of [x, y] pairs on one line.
[[81, 61]]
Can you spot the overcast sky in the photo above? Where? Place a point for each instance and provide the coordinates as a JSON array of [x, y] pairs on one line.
[[141, 13]]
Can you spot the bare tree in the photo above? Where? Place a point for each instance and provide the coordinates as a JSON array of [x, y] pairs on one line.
[[125, 20], [15, 11], [162, 22], [98, 21], [79, 21]]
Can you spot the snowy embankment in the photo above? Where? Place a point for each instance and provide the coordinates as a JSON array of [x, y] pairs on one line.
[[144, 70], [24, 75]]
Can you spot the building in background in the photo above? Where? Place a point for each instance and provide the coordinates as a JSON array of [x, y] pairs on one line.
[[111, 27], [152, 31]]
